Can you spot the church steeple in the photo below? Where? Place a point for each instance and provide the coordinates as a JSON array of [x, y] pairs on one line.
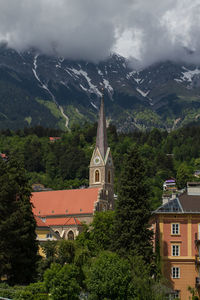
[[101, 164], [101, 139]]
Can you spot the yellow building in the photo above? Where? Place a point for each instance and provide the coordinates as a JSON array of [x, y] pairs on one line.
[[177, 233]]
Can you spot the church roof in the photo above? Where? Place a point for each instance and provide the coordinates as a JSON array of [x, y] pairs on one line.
[[39, 222], [62, 221], [65, 202], [101, 140]]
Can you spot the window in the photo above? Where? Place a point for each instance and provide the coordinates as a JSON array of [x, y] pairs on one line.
[[175, 250], [97, 176], [49, 235], [175, 228], [175, 272], [109, 177], [70, 235], [174, 295]]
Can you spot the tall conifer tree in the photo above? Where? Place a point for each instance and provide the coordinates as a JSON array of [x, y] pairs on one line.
[[132, 234], [18, 247]]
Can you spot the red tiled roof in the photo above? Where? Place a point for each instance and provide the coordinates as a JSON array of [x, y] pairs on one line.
[[62, 221], [54, 138], [64, 202], [39, 222]]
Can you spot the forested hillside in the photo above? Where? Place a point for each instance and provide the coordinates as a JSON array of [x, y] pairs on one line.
[[37, 89], [63, 164]]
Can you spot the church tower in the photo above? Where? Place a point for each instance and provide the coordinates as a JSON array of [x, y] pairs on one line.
[[101, 164]]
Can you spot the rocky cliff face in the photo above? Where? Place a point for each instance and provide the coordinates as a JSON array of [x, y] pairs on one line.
[[55, 92]]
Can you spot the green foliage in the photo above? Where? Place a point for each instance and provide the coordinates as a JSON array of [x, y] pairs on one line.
[[99, 234], [6, 291], [109, 277], [142, 277], [24, 295], [131, 231], [17, 225], [66, 252], [183, 175], [64, 163], [61, 282], [194, 293], [34, 291]]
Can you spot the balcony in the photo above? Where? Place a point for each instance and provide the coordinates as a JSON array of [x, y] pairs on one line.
[[197, 237], [197, 282]]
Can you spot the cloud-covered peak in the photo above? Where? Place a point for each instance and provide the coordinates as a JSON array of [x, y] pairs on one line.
[[90, 30]]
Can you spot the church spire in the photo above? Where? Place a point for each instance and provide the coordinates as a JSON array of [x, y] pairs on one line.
[[101, 140], [101, 165]]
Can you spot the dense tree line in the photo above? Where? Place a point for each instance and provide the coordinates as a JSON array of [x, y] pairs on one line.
[[64, 163], [113, 257]]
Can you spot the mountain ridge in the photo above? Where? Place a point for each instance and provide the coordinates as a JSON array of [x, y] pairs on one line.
[[36, 89]]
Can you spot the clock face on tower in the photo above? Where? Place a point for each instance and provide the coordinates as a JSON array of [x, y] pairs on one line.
[[97, 160]]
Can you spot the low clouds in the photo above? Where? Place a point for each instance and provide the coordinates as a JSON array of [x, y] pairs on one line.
[[91, 29]]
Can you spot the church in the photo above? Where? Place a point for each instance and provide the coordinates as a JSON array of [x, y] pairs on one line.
[[63, 212]]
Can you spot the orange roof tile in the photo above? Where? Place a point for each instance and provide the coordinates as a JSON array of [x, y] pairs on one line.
[[39, 222], [54, 138], [62, 221], [64, 202]]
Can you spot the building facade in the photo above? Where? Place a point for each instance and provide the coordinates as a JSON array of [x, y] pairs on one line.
[[64, 211], [177, 236]]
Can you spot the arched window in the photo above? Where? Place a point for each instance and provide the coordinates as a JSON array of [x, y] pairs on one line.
[[70, 235], [109, 176], [97, 176]]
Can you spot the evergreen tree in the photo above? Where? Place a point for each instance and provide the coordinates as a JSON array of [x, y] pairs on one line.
[[132, 234], [18, 248], [183, 175]]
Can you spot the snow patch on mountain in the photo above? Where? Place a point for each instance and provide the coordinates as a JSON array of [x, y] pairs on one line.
[[99, 72], [144, 94], [92, 87], [178, 80], [130, 74], [94, 105], [107, 85], [65, 116], [86, 90], [34, 69], [189, 74]]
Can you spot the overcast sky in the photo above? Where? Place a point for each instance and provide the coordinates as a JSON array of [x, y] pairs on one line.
[[149, 30]]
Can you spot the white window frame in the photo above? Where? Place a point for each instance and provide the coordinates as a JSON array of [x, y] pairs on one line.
[[175, 228], [175, 250], [175, 272]]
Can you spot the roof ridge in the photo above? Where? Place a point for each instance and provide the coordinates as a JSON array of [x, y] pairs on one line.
[[88, 188]]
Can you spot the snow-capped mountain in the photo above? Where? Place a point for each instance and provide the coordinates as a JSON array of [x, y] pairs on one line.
[[55, 92]]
